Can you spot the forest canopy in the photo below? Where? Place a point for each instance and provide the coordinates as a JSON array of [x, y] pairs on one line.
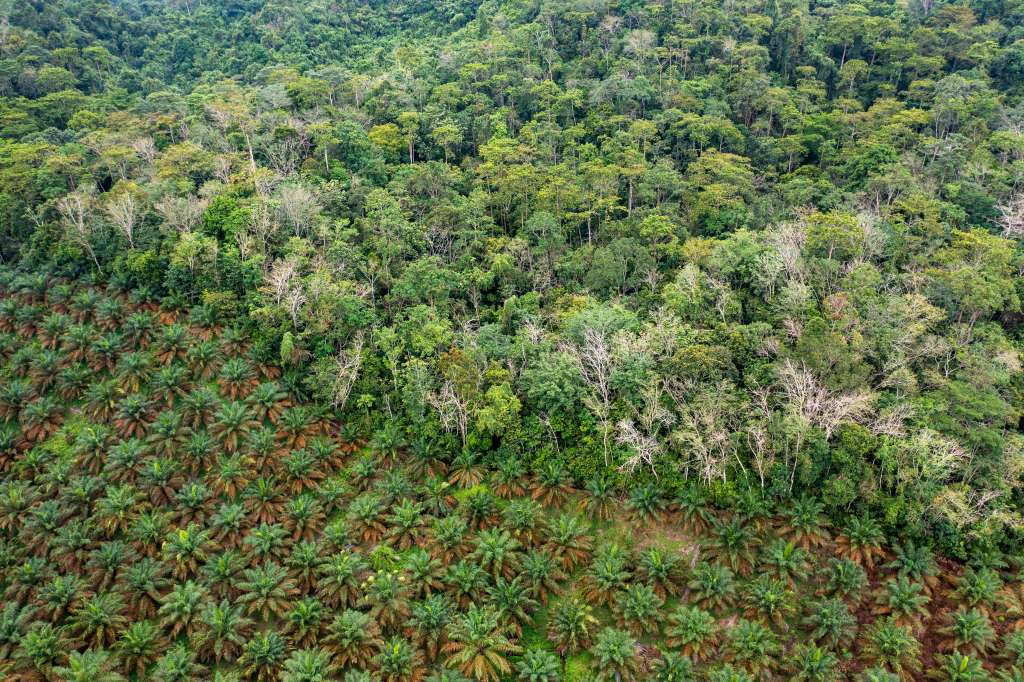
[[767, 246], [511, 340]]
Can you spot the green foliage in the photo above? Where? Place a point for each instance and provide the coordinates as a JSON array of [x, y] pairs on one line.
[[757, 252]]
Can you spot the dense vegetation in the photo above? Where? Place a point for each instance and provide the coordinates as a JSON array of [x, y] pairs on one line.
[[171, 512], [757, 257]]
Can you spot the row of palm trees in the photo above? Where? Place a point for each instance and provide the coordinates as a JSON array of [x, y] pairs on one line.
[[171, 508]]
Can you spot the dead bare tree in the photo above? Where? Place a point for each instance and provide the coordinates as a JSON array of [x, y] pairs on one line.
[[284, 285], [259, 231], [347, 365], [596, 362], [642, 434], [298, 207], [125, 213], [181, 213], [822, 407], [145, 147], [706, 423], [806, 403], [1011, 217], [452, 409], [76, 212]]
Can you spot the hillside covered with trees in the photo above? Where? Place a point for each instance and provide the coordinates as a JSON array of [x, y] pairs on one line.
[[511, 340]]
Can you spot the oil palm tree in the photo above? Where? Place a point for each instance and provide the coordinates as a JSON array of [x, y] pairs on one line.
[[104, 352], [138, 328], [526, 520], [861, 541], [538, 665], [57, 597], [978, 588], [263, 500], [693, 631], [448, 538], [571, 625], [387, 599], [309, 665], [507, 480], [204, 320], [607, 574], [228, 476], [917, 563], [786, 560], [478, 645], [197, 408], [428, 623], [91, 665], [170, 384], [304, 622], [99, 619], [263, 656], [662, 570], [568, 541], [353, 638], [513, 602], [295, 426], [845, 579], [40, 419], [266, 591], [42, 648], [399, 661], [134, 371], [102, 400], [179, 613], [108, 313], [713, 586], [600, 501], [813, 664], [552, 485], [733, 543], [406, 525], [465, 471], [904, 601], [892, 647], [753, 647], [771, 600], [616, 656], [185, 549], [367, 515], [173, 344], [266, 542], [236, 379], [959, 667], [968, 631], [424, 572], [339, 579], [542, 574], [829, 622], [268, 401], [73, 381], [221, 632], [637, 608], [497, 552], [140, 645], [14, 619], [646, 505], [480, 508], [303, 562], [132, 418], [178, 665], [728, 673], [232, 424]]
